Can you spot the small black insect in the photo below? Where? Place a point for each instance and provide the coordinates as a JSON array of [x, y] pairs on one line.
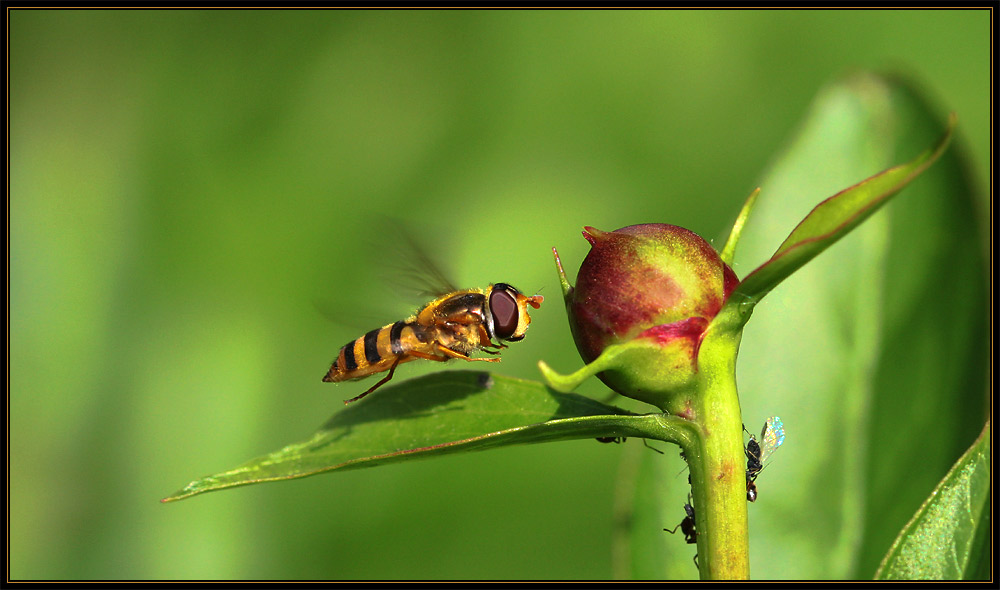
[[687, 527], [611, 439], [753, 466], [772, 435], [620, 439]]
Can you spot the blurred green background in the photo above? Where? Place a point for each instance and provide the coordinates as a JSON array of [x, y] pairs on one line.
[[197, 204]]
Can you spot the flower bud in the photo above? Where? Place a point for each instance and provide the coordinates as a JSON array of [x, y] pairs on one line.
[[655, 287]]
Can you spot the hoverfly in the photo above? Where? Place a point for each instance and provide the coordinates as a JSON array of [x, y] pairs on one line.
[[771, 437], [452, 326]]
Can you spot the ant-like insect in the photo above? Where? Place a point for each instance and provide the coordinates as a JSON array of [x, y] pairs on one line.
[[687, 527], [620, 439]]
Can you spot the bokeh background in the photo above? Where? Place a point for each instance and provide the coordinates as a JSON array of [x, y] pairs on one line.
[[198, 205]]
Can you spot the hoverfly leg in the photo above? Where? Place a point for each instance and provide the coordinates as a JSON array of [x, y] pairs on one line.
[[458, 355], [377, 385], [485, 341], [426, 356]]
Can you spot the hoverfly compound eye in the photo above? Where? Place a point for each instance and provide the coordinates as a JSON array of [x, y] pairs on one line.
[[503, 308]]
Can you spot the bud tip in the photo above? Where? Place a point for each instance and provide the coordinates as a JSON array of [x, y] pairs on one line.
[[592, 234]]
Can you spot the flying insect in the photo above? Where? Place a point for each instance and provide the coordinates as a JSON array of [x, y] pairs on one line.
[[452, 326], [771, 437]]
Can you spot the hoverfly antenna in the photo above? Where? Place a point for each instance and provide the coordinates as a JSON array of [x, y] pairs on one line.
[[536, 299]]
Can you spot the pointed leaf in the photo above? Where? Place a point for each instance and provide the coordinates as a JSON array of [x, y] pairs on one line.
[[728, 252], [940, 542], [833, 219], [434, 415]]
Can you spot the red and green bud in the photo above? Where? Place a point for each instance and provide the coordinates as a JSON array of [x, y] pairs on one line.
[[655, 287]]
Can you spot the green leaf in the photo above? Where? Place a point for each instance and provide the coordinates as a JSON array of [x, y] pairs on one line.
[[876, 353], [728, 251], [940, 541], [442, 413], [833, 219]]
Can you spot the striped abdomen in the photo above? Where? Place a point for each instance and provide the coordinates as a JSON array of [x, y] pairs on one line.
[[376, 351]]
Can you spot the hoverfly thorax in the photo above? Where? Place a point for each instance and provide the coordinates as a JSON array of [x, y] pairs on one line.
[[506, 312]]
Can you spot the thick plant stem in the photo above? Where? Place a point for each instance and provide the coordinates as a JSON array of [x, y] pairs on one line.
[[718, 466]]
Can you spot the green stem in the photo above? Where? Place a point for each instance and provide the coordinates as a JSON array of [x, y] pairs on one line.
[[717, 461]]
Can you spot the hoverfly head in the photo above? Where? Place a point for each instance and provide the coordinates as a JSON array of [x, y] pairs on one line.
[[507, 311]]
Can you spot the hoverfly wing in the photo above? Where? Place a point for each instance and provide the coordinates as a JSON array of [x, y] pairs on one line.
[[399, 277], [771, 437], [411, 267]]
